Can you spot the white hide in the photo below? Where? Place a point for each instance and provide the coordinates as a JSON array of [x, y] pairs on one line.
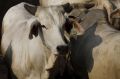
[[31, 56]]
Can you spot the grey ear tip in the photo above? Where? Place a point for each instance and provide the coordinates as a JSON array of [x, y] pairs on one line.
[[26, 6], [30, 8]]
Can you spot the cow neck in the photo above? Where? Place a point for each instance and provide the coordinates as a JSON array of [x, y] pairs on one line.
[[92, 17]]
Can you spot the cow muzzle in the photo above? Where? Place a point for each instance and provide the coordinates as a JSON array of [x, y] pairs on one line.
[[62, 49]]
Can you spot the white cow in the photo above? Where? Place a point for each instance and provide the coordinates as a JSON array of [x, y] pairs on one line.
[[30, 42]]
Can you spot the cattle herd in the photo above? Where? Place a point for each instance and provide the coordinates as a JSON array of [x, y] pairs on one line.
[[62, 39]]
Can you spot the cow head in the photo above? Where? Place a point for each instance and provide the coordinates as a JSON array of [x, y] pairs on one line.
[[73, 28], [49, 26], [72, 25]]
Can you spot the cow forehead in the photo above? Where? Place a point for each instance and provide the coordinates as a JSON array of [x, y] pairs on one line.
[[50, 16]]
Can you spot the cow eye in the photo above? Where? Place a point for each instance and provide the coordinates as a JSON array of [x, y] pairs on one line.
[[43, 26], [73, 17]]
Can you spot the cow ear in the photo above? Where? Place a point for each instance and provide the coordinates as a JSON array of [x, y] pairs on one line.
[[34, 30], [67, 7], [30, 8]]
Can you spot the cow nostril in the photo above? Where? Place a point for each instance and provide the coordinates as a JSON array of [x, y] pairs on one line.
[[62, 49], [58, 48]]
